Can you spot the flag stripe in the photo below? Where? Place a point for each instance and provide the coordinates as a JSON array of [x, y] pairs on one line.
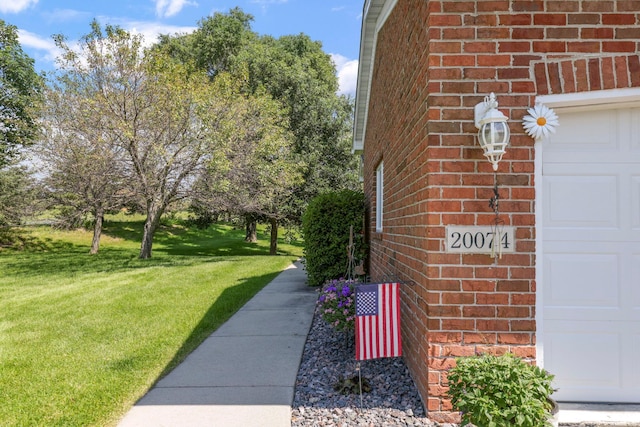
[[387, 306], [383, 307], [395, 320], [379, 335]]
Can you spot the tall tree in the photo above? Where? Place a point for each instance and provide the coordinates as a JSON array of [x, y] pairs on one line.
[[20, 89], [163, 114], [262, 171], [86, 169], [17, 196], [294, 71]]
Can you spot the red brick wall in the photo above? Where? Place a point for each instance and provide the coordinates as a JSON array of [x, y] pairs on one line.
[[434, 61], [396, 133]]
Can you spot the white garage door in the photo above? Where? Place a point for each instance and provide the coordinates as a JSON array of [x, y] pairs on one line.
[[591, 255]]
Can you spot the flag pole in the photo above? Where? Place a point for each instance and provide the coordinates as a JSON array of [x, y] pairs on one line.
[[360, 381], [350, 256]]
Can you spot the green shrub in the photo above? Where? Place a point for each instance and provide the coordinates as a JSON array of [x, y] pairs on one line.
[[500, 391], [325, 227]]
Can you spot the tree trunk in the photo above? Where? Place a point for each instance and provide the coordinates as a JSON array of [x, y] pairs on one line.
[[251, 234], [97, 231], [273, 247], [150, 226]]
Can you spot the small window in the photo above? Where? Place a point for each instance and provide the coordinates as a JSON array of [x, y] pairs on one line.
[[379, 196]]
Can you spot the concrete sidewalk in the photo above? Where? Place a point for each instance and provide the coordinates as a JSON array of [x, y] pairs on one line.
[[244, 373], [599, 414]]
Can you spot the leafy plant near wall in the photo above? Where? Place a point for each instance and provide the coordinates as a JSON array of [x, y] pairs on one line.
[[501, 391], [326, 229]]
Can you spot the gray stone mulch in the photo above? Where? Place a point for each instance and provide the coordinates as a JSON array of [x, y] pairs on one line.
[[327, 386]]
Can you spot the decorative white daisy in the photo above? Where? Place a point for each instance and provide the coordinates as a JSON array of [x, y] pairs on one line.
[[541, 121]]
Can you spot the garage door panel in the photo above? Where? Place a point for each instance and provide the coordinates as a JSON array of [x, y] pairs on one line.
[[630, 358], [635, 290], [590, 271], [570, 201], [634, 143], [591, 281], [591, 157], [587, 132], [588, 360], [603, 237], [635, 202], [600, 314], [580, 365], [607, 315]]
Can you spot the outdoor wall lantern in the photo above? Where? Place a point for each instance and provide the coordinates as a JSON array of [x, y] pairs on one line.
[[493, 133]]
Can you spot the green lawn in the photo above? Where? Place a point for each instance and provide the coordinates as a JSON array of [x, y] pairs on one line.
[[83, 337]]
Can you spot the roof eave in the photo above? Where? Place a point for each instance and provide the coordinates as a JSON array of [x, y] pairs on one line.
[[374, 13]]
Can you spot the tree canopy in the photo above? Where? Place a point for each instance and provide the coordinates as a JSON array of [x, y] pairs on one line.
[[86, 168], [20, 90], [262, 170], [296, 73], [160, 112]]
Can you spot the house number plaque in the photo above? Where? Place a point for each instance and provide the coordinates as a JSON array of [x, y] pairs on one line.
[[480, 240]]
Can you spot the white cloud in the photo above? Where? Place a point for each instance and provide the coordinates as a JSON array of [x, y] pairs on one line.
[[66, 15], [16, 6], [49, 49], [167, 8], [266, 2], [44, 49], [347, 70], [151, 30]]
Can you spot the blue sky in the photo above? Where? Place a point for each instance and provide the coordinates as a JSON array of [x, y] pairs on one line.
[[335, 23]]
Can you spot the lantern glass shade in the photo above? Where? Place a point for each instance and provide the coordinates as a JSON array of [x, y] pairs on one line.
[[493, 136]]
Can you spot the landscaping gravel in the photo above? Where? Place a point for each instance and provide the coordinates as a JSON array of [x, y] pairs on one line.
[[328, 358], [393, 400]]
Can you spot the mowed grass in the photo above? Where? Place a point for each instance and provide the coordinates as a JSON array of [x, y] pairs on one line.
[[83, 337]]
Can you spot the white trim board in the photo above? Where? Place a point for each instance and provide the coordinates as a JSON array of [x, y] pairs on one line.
[[592, 100]]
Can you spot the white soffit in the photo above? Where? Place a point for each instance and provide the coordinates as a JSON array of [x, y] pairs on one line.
[[374, 15]]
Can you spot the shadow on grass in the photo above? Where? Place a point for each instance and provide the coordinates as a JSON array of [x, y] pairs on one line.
[[13, 238], [216, 240], [68, 259], [173, 245]]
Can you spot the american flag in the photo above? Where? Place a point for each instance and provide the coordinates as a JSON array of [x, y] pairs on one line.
[[378, 321]]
